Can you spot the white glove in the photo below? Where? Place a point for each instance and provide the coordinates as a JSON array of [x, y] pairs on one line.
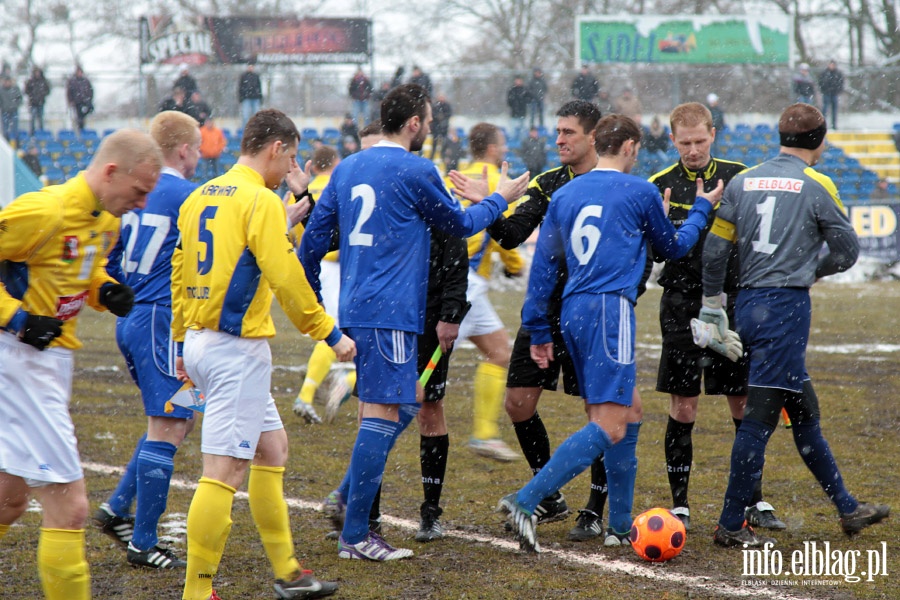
[[712, 312], [706, 335]]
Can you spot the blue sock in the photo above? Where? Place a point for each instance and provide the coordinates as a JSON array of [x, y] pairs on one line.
[[373, 443], [747, 458], [621, 471], [126, 490], [820, 461], [572, 457], [407, 413], [155, 465]]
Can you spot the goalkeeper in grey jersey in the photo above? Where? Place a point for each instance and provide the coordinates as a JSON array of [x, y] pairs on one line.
[[779, 214]]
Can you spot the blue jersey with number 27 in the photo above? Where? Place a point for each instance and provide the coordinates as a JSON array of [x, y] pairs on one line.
[[142, 257], [599, 224], [384, 200]]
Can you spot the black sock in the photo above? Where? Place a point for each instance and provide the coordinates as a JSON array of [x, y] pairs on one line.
[[737, 423], [433, 458], [534, 441], [679, 456], [375, 512], [599, 490]]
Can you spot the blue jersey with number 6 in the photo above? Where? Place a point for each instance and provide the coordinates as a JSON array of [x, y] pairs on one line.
[[142, 257], [599, 224], [383, 201]]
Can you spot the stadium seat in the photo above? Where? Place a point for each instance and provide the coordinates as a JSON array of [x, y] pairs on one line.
[[90, 134], [66, 135], [106, 132], [42, 136], [331, 136], [54, 175], [54, 150], [309, 133], [77, 149]]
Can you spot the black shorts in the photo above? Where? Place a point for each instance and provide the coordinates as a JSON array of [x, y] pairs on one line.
[[437, 385], [682, 363], [524, 372]]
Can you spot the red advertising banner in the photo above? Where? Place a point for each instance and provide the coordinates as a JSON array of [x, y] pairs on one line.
[[267, 40]]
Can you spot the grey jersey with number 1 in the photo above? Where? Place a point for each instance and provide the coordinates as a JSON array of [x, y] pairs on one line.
[[779, 214]]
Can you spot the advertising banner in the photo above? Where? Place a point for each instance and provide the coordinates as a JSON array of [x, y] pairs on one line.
[[760, 39], [876, 226], [268, 40]]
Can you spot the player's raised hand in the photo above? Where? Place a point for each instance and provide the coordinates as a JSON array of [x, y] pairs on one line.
[[298, 179], [473, 190], [296, 211], [345, 349], [714, 196], [512, 189], [542, 354]]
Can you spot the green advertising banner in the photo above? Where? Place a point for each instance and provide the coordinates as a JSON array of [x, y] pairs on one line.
[[764, 39]]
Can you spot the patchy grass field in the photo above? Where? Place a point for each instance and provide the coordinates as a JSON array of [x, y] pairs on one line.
[[853, 358]]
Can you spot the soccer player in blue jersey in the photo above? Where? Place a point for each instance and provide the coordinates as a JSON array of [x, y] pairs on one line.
[[599, 224], [142, 258], [780, 215], [383, 202]]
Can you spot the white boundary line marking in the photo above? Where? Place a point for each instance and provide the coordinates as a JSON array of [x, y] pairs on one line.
[[598, 561]]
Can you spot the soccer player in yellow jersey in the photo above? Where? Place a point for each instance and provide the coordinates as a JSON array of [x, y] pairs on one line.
[[324, 160], [481, 325], [235, 253], [53, 245]]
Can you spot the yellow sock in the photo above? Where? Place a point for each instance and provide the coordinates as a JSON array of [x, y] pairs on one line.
[[489, 388], [208, 526], [270, 513], [351, 378], [4, 529], [316, 370], [61, 563]]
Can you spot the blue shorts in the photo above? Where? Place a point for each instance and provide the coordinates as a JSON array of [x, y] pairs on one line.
[[774, 326], [385, 365], [144, 338], [599, 333]]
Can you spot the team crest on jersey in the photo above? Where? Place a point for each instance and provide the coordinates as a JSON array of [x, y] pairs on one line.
[[70, 248], [68, 307]]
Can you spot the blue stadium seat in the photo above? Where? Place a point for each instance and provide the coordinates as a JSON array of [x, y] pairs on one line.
[[106, 132], [90, 134], [66, 135], [331, 136], [309, 133], [42, 136], [77, 148], [54, 175], [53, 149]]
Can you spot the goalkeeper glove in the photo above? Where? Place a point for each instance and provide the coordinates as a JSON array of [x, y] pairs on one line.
[[40, 331], [707, 335], [712, 312], [117, 297]]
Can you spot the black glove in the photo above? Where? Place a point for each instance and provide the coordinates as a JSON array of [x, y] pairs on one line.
[[40, 331], [117, 297], [510, 275]]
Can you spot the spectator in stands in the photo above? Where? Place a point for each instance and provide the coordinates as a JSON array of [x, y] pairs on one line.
[[37, 89], [718, 120], [803, 86], [397, 79], [452, 151], [249, 92], [882, 191], [360, 90], [585, 86], [80, 95], [177, 101], [629, 105], [349, 145], [377, 98], [198, 107], [537, 89], [186, 82], [212, 143], [10, 101], [518, 99], [441, 111], [656, 142], [32, 160], [534, 151], [831, 84], [605, 103], [419, 77], [350, 129]]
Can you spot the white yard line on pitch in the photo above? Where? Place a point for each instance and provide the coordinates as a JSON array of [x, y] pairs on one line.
[[592, 560]]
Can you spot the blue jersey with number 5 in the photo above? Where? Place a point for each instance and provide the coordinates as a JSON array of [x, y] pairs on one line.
[[599, 224], [142, 257], [383, 201]]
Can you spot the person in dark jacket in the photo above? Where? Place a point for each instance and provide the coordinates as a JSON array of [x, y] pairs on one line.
[[831, 84], [249, 92], [518, 99], [37, 89], [803, 86], [80, 95], [537, 88], [585, 86], [360, 91], [534, 151], [186, 82], [441, 111], [10, 101]]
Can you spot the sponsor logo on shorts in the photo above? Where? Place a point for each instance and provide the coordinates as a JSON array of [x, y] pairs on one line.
[[45, 467], [244, 444]]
